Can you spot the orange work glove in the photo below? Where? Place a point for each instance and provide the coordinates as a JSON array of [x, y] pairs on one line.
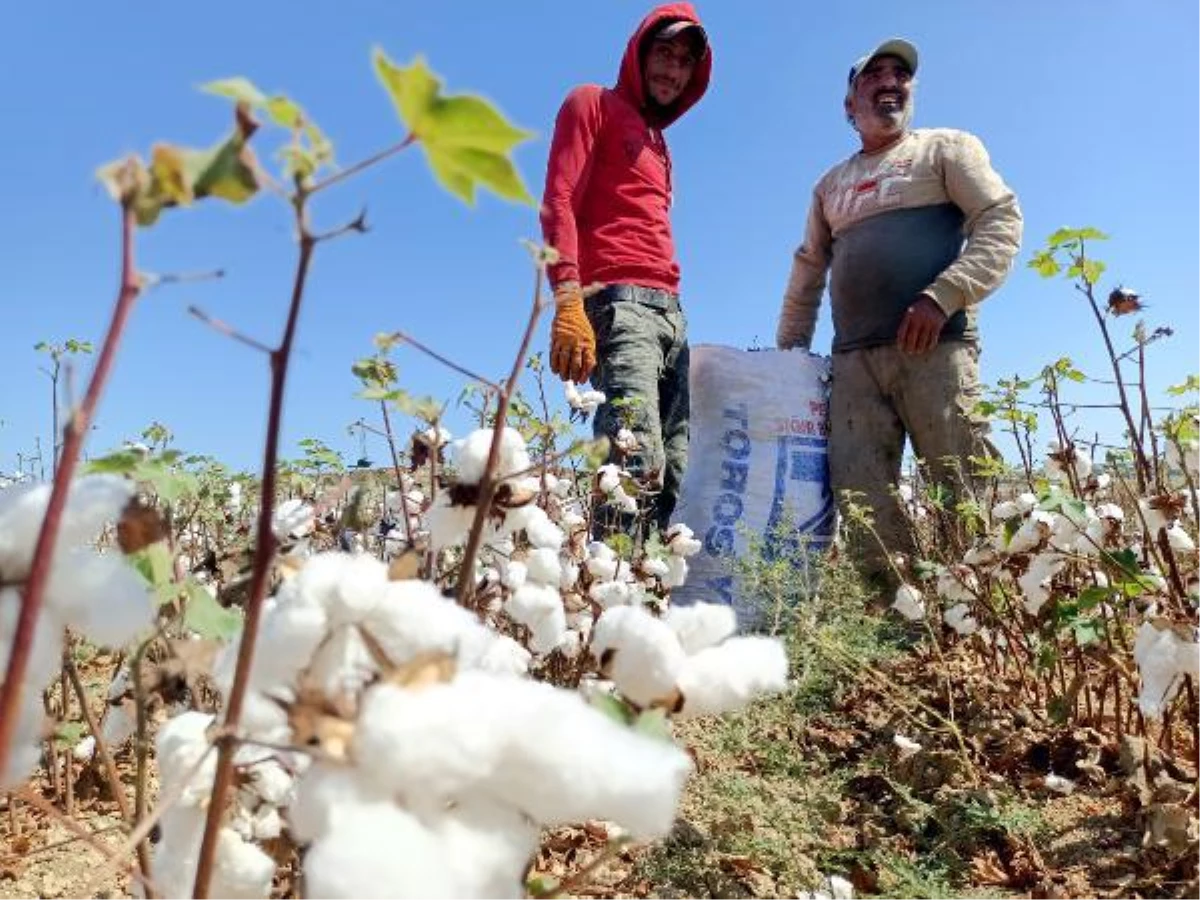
[[572, 340]]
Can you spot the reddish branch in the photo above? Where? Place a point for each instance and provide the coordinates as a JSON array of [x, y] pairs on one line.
[[77, 428], [264, 552], [487, 484]]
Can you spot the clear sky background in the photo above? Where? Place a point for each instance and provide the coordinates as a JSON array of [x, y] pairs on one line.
[[1089, 110]]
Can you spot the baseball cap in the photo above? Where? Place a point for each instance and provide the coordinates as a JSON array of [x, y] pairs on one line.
[[673, 29], [891, 47]]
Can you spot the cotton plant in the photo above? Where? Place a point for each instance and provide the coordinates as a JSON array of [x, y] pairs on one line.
[[585, 402], [430, 760], [97, 594], [687, 662], [1165, 653]]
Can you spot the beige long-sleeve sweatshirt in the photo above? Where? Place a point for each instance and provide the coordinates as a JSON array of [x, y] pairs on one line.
[[885, 227]]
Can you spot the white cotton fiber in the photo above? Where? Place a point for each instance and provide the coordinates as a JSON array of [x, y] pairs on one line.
[[324, 795], [728, 676], [101, 596], [701, 625], [495, 843], [380, 851], [526, 744], [646, 656], [360, 585], [181, 744], [543, 565]]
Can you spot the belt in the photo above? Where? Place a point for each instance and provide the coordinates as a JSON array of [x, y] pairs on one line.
[[654, 298]]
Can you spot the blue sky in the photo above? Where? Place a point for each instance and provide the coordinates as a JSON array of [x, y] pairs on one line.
[[1087, 108]]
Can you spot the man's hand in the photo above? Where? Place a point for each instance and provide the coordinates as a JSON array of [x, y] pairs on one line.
[[572, 340], [921, 326]]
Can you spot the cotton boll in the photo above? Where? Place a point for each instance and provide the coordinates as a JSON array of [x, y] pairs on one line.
[[448, 525], [1155, 518], [1164, 654], [1027, 501], [540, 530], [701, 625], [181, 828], [646, 656], [269, 781], [360, 584], [532, 602], [681, 542], [293, 518], [957, 584], [677, 572], [181, 743], [653, 568], [45, 656], [602, 569], [289, 635], [569, 576], [266, 824], [909, 602], [497, 842], [241, 869], [544, 566], [610, 594], [514, 575], [1067, 531], [26, 747], [101, 596], [413, 618], [471, 455], [728, 676], [325, 795], [1006, 510], [959, 618], [1180, 540], [981, 555], [1033, 532], [504, 656], [548, 631], [608, 478]]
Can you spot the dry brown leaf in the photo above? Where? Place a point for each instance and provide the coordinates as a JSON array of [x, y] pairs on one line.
[[405, 567], [986, 869], [140, 526]]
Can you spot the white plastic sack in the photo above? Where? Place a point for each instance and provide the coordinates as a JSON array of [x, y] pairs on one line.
[[758, 454]]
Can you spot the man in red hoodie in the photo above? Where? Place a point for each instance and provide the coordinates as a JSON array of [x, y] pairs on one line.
[[606, 210]]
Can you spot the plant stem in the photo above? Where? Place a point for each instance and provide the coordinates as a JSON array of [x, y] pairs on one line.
[[487, 484], [77, 428], [391, 442], [360, 165], [264, 552]]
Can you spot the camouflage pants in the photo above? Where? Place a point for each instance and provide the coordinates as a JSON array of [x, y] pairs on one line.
[[642, 368], [879, 397]]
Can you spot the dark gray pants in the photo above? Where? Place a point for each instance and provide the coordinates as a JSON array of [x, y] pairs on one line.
[[642, 368], [879, 397]]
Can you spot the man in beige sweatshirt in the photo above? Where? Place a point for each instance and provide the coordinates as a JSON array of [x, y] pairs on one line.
[[911, 233]]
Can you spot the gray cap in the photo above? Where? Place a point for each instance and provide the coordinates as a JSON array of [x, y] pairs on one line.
[[891, 47]]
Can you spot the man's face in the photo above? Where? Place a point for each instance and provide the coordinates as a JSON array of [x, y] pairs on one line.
[[669, 67], [881, 100]]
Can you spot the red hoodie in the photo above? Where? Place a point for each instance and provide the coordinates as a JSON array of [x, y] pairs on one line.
[[606, 205]]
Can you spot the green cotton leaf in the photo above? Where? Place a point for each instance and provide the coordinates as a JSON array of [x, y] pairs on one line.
[[1091, 597], [208, 618], [1087, 631], [466, 121], [237, 88], [466, 140], [541, 886], [1045, 264], [413, 89], [155, 564], [654, 724], [1074, 235], [1190, 386], [1089, 270], [613, 707], [70, 733], [460, 168], [120, 462]]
